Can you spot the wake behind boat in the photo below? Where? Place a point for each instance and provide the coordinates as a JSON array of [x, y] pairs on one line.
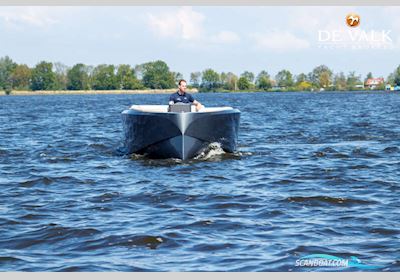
[[162, 131]]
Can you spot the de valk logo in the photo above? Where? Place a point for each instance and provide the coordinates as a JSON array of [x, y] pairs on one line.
[[353, 20]]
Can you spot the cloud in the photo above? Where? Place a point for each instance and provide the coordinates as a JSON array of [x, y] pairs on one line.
[[225, 37], [163, 26], [31, 16], [182, 24], [187, 27], [279, 41]]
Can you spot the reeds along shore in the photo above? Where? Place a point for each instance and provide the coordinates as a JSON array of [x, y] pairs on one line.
[[54, 92]]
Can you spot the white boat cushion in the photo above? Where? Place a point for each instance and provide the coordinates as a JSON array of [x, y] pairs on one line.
[[164, 108]]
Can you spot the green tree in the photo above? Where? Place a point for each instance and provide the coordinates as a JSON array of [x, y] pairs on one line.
[[156, 75], [222, 79], [78, 77], [139, 69], [177, 76], [263, 80], [325, 79], [210, 80], [43, 77], [229, 81], [390, 79], [244, 83], [126, 78], [321, 76], [104, 78], [284, 79], [21, 77], [248, 75], [60, 71], [7, 66], [340, 81], [396, 76], [301, 78], [195, 78], [353, 80], [369, 76]]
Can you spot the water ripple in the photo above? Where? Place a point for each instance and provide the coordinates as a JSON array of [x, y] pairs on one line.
[[313, 173], [320, 200]]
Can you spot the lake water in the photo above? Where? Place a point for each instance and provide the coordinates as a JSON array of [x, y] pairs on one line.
[[314, 174]]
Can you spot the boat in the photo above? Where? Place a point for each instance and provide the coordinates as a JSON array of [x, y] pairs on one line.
[[178, 131]]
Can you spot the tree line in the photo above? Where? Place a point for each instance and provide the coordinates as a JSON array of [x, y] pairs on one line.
[[320, 78], [157, 75], [57, 76]]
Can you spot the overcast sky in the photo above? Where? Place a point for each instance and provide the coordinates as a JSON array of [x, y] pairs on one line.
[[192, 39]]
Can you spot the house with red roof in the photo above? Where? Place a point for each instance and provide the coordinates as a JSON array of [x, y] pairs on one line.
[[374, 82]]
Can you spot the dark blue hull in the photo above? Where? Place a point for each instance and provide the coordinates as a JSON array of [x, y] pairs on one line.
[[179, 135]]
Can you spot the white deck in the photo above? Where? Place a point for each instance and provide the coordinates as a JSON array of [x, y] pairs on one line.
[[164, 108]]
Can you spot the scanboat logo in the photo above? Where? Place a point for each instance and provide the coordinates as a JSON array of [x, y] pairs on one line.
[[324, 260], [353, 20]]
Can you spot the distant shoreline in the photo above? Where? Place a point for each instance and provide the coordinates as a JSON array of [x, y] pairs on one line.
[[71, 92], [168, 91]]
